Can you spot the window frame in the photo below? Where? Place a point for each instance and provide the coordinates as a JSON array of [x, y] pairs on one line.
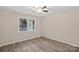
[[27, 24]]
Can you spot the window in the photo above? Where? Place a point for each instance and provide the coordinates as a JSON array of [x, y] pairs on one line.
[[26, 25]]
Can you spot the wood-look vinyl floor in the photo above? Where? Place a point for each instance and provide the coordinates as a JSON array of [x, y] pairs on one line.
[[40, 44]]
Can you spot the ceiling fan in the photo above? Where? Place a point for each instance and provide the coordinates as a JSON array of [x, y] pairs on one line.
[[40, 9]]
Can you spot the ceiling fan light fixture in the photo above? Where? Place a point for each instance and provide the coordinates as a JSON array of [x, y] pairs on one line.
[[39, 11]]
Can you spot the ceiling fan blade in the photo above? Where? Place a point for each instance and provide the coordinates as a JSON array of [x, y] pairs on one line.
[[45, 10], [44, 7]]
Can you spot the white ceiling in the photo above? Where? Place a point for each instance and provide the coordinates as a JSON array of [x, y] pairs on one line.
[[29, 9]]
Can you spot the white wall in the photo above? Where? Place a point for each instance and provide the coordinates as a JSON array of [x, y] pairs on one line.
[[0, 27], [9, 28], [63, 27]]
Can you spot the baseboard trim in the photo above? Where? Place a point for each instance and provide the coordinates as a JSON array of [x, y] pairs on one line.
[[38, 37], [19, 41], [62, 41]]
